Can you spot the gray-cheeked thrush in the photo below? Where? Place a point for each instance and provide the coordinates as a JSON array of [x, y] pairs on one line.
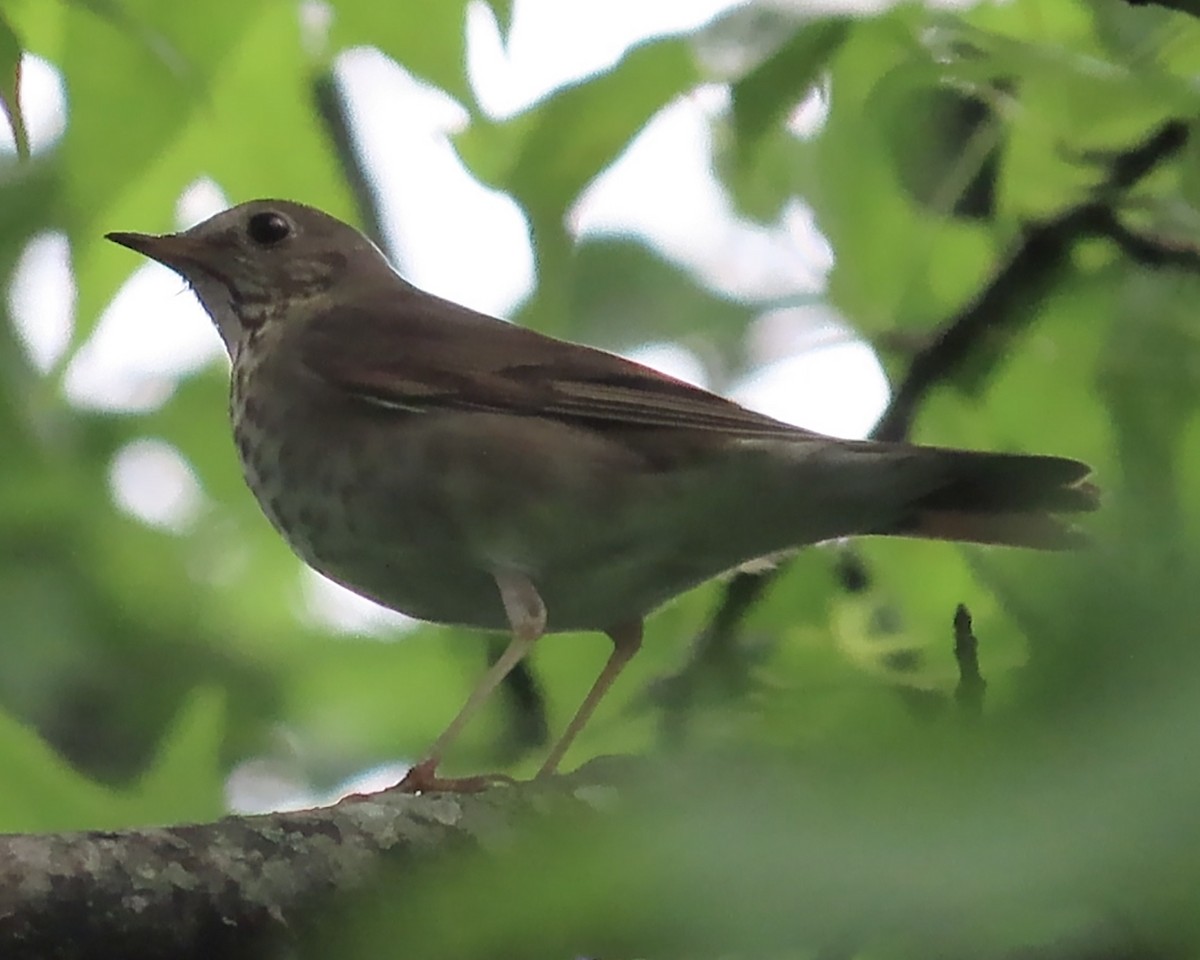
[[464, 470]]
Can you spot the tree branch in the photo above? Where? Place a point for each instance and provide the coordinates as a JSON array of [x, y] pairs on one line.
[[242, 886], [624, 858], [329, 104]]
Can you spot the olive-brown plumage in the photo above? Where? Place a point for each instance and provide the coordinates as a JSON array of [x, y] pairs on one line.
[[463, 470]]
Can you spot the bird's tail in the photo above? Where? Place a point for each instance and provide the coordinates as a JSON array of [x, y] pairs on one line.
[[1001, 498]]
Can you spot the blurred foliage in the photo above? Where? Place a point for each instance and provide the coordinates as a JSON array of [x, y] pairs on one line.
[[139, 666]]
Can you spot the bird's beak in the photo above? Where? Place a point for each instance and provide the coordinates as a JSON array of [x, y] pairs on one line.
[[175, 250]]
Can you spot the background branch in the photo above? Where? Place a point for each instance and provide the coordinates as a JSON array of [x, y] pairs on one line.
[[1009, 302]]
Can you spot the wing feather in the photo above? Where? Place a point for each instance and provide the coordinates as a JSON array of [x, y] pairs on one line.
[[428, 354]]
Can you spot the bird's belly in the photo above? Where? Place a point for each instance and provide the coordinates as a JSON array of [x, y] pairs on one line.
[[421, 525], [393, 547], [443, 590], [591, 573]]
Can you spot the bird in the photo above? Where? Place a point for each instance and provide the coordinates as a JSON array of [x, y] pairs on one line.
[[465, 470]]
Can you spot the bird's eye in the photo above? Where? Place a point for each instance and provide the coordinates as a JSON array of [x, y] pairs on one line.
[[268, 228]]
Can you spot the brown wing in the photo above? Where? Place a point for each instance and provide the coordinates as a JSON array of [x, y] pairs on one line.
[[426, 354]]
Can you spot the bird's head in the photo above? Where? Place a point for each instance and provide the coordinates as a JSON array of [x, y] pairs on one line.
[[264, 262]]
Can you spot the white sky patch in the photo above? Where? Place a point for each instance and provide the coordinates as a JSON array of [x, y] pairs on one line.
[[838, 388], [452, 235], [202, 199], [672, 359], [556, 42], [41, 298], [808, 116], [267, 785], [813, 371], [786, 331], [371, 780], [333, 606], [812, 8], [152, 333], [811, 390], [151, 481], [663, 188]]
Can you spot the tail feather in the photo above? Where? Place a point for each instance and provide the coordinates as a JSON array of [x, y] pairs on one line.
[[1041, 531], [1008, 499]]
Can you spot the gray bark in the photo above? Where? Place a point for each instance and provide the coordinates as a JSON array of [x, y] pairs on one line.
[[242, 886]]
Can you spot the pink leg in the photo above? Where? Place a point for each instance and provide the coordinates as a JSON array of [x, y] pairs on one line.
[[627, 640], [527, 615]]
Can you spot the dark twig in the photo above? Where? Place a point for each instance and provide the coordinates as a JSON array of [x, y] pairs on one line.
[[1131, 166], [1008, 302], [971, 685], [527, 722], [714, 654], [330, 103], [1151, 251], [1003, 304]]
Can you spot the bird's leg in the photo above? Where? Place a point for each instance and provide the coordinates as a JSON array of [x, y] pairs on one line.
[[627, 640], [527, 616]]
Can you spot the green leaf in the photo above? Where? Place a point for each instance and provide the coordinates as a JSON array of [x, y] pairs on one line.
[[763, 181], [283, 150], [764, 96], [655, 300], [945, 141], [186, 782], [545, 157], [42, 793], [38, 25], [131, 181], [139, 29], [1148, 381], [191, 127], [426, 37], [571, 137]]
